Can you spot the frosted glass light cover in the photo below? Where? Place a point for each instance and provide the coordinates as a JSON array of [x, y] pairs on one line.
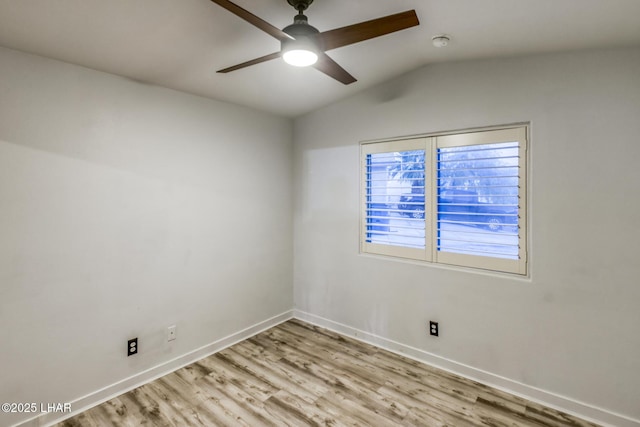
[[300, 57]]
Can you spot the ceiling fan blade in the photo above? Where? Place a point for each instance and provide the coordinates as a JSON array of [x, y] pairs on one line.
[[350, 34], [332, 69], [253, 19], [252, 62]]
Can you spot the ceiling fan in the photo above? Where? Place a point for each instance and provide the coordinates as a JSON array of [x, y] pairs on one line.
[[303, 45]]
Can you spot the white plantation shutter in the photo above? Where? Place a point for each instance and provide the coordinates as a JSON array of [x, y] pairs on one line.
[[456, 199], [480, 206], [394, 173]]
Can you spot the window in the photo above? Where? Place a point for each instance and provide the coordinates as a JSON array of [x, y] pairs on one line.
[[455, 199]]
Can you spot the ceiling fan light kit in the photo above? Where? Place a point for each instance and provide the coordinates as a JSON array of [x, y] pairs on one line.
[[303, 45], [300, 57]]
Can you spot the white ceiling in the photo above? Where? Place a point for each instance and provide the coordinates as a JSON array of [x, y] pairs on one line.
[[180, 44]]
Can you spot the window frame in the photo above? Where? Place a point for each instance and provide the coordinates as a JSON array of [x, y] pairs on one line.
[[430, 144]]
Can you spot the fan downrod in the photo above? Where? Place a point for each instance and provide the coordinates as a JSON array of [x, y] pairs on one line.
[[300, 5]]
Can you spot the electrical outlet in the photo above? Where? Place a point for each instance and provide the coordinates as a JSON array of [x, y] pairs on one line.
[[132, 347], [171, 333], [433, 328]]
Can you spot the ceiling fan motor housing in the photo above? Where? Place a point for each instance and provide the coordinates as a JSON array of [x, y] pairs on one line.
[[301, 32]]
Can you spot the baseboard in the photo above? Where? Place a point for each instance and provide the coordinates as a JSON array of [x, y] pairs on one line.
[[552, 400], [116, 389]]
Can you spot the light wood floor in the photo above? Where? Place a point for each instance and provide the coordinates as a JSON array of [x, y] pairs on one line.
[[296, 374]]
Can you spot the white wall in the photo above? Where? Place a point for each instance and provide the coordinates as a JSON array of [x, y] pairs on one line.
[[572, 328], [126, 208]]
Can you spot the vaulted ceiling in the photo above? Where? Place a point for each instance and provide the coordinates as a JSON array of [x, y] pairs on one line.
[[181, 44]]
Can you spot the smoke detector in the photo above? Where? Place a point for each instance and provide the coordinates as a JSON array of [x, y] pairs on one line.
[[440, 40]]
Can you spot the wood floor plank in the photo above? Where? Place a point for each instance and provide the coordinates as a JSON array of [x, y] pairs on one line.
[[194, 371], [119, 413], [554, 418], [167, 405], [257, 352], [341, 381], [435, 411], [217, 404], [292, 331], [293, 411], [174, 405], [331, 373], [247, 409], [297, 374], [502, 400], [253, 385], [273, 375], [416, 372], [321, 333], [500, 416], [339, 403]]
